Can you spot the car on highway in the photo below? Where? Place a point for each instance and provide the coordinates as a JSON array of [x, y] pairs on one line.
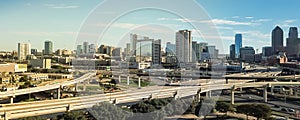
[[277, 106], [291, 110], [284, 109], [34, 85]]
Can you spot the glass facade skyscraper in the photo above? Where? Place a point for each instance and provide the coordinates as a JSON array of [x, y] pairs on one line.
[[48, 47], [292, 43], [277, 40], [238, 45]]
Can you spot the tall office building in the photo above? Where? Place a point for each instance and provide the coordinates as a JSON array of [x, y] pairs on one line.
[[277, 40], [34, 51], [246, 51], [184, 45], [79, 50], [292, 43], [24, 49], [85, 47], [213, 52], [195, 49], [48, 48], [232, 51], [238, 45], [128, 49], [92, 48], [133, 42], [156, 52], [267, 51]]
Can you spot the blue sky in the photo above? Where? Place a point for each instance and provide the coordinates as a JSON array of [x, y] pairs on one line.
[[70, 22]]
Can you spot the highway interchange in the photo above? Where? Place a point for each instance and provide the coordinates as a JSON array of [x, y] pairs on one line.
[[26, 109]]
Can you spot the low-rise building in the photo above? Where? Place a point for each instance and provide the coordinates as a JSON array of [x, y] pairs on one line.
[[34, 76], [13, 67], [60, 76], [41, 63], [144, 65]]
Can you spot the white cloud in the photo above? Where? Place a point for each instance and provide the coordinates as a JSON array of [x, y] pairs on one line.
[[227, 22], [249, 17], [287, 23], [61, 6], [290, 21], [235, 17], [224, 28], [262, 20]]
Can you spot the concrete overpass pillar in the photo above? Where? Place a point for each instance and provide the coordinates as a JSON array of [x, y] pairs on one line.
[[139, 82], [11, 100], [265, 94], [176, 96], [152, 96], [69, 107], [198, 96], [76, 87], [272, 90], [232, 95], [58, 93], [7, 115], [84, 87], [120, 79], [128, 80], [208, 94], [291, 91]]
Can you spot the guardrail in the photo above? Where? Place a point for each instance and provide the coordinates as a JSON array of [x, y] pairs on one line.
[[27, 109]]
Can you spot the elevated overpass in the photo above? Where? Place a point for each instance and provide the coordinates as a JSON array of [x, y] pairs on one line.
[[57, 86], [27, 109]]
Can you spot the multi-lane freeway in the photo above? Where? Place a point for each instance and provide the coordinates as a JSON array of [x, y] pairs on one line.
[[19, 110]]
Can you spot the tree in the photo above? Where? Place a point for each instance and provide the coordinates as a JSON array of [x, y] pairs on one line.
[[23, 79], [73, 115], [107, 111], [245, 109], [224, 107], [256, 110], [261, 111]]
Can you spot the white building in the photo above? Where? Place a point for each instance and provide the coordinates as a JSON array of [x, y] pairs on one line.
[[24, 49], [184, 45]]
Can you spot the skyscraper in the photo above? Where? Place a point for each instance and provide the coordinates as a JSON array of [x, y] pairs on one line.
[[195, 48], [79, 50], [156, 52], [85, 47], [232, 51], [238, 45], [277, 40], [128, 49], [48, 47], [292, 43], [24, 49], [92, 48], [184, 45], [133, 42]]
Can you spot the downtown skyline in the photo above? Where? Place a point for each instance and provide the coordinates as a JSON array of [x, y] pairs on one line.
[[60, 21]]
